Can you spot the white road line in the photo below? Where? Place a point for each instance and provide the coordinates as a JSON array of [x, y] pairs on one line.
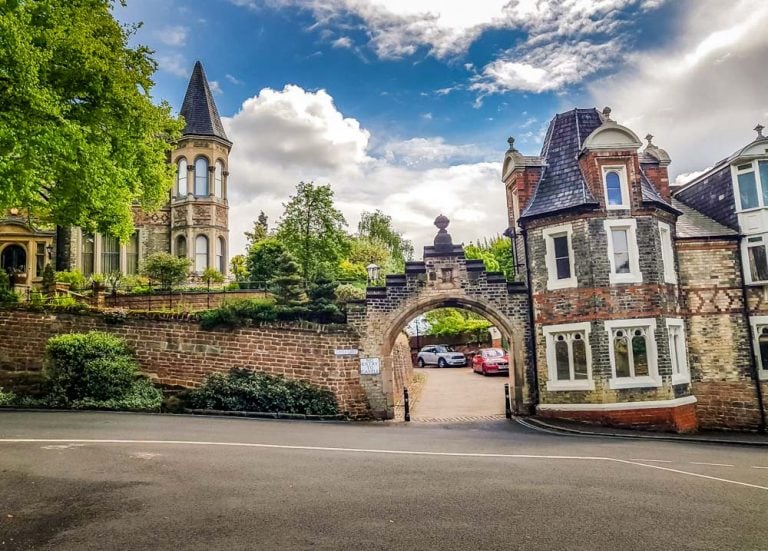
[[759, 467], [374, 451], [541, 429], [710, 464], [652, 460]]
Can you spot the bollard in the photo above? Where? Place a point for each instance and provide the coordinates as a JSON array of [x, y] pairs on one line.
[[507, 408], [407, 404]]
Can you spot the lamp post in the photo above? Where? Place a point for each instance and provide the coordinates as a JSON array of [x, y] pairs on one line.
[[373, 273]]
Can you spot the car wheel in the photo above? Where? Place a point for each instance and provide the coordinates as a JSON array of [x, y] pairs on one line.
[[485, 373], [441, 362], [420, 363]]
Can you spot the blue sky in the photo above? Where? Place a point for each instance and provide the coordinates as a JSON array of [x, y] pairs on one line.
[[406, 105]]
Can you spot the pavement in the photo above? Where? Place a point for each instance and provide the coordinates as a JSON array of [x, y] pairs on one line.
[[85, 480], [457, 394]]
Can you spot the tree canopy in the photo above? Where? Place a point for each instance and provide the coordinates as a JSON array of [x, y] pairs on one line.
[[81, 140], [450, 322], [496, 254]]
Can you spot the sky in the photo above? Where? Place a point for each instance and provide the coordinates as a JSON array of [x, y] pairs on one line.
[[406, 105]]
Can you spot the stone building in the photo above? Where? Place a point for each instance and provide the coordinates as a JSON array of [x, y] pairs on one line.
[[193, 224], [637, 292]]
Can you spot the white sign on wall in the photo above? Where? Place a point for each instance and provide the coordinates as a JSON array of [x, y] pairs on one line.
[[370, 366], [345, 352]]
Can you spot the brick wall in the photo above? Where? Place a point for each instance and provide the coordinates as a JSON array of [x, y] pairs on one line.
[[178, 353], [187, 302], [718, 341]]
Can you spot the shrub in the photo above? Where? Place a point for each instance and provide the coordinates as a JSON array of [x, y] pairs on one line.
[[347, 293], [322, 305], [166, 269], [49, 279], [75, 278], [238, 313], [212, 275], [89, 365], [134, 283], [141, 396], [7, 295], [7, 398], [243, 390]]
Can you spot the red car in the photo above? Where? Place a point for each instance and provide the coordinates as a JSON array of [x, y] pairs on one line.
[[490, 360]]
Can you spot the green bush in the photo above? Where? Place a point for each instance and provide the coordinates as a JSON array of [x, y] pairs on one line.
[[96, 370], [238, 313], [7, 398], [243, 390], [165, 269], [7, 295], [348, 293], [75, 278]]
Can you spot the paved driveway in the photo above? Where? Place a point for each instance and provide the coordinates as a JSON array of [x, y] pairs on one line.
[[459, 394]]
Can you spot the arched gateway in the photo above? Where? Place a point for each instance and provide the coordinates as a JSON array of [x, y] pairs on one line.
[[443, 279]]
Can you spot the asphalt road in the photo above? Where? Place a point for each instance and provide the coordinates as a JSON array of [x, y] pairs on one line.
[[84, 481], [459, 394]]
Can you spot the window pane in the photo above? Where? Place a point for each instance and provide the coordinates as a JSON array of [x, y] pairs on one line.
[[758, 263], [620, 251], [579, 358], [87, 255], [110, 254], [748, 190], [673, 350], [561, 359], [621, 355], [218, 179], [563, 268], [132, 254], [613, 188], [182, 177], [763, 342], [763, 169], [201, 176], [181, 246], [201, 253], [640, 354], [40, 260]]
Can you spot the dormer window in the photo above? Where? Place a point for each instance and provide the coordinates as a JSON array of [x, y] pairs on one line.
[[616, 190], [752, 184]]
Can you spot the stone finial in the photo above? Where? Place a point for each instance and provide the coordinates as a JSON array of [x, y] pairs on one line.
[[607, 113], [511, 142], [649, 137], [759, 129], [443, 240]]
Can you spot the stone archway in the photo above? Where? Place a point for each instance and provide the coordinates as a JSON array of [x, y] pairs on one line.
[[445, 278]]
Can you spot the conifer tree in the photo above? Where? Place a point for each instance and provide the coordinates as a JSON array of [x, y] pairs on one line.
[[288, 288], [322, 306]]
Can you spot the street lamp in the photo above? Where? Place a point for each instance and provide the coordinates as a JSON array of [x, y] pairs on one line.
[[373, 273]]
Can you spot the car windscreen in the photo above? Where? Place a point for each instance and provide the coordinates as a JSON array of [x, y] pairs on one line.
[[444, 349], [493, 353]]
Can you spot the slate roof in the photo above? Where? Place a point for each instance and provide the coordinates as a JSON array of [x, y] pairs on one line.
[[199, 109], [693, 224], [562, 185]]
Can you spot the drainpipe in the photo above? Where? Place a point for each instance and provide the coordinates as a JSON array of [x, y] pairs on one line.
[[751, 338], [535, 389]]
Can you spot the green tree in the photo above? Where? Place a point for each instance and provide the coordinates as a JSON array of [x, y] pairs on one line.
[[496, 254], [263, 260], [450, 322], [166, 269], [238, 268], [81, 140], [288, 285], [377, 227], [212, 275], [322, 301], [260, 231], [313, 230]]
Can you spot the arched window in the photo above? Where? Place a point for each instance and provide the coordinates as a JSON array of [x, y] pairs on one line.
[[181, 246], [220, 257], [201, 253], [613, 188], [181, 178], [201, 176], [218, 179]]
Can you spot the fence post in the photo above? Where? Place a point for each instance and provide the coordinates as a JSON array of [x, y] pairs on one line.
[[507, 407], [407, 404]]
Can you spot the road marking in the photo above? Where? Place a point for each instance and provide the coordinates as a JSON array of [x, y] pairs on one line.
[[759, 467], [652, 460], [710, 464], [373, 451], [541, 429]]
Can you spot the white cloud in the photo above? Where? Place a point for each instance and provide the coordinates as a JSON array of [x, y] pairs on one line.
[[284, 136], [342, 42], [233, 79], [176, 64], [702, 94], [173, 35], [215, 87]]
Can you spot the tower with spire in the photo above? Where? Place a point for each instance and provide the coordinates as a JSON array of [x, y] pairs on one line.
[[199, 211]]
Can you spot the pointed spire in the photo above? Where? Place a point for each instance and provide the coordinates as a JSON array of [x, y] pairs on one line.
[[199, 109]]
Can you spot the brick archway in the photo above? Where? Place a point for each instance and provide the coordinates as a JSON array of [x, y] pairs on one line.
[[445, 278]]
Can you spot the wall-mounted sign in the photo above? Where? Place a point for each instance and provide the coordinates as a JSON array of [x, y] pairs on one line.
[[345, 352], [370, 366]]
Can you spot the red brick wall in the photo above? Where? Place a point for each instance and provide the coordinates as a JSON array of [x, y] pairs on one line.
[[677, 419], [176, 352], [188, 302]]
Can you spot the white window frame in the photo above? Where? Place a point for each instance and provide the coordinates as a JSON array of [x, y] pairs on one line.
[[643, 381], [755, 167], [622, 172], [549, 235], [683, 374], [745, 245], [758, 323], [667, 253], [634, 275], [549, 332]]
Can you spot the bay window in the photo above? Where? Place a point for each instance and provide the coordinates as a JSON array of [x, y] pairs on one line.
[[201, 253], [569, 357], [201, 177], [632, 353], [752, 184]]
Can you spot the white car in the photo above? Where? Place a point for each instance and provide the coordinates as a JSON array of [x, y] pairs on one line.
[[441, 356]]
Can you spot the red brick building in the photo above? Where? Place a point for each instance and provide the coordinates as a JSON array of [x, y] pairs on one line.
[[638, 297]]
